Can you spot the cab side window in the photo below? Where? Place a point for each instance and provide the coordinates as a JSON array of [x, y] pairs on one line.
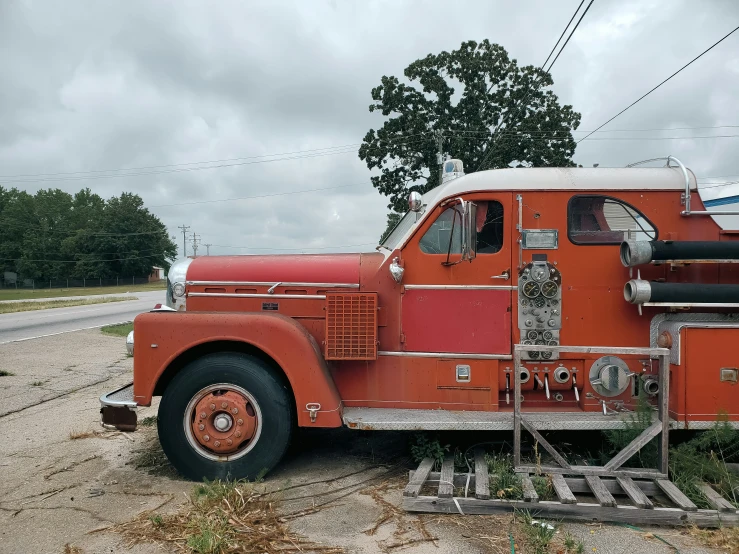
[[448, 228], [445, 234], [595, 219], [489, 227]]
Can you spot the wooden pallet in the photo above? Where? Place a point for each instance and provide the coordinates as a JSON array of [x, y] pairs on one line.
[[616, 499]]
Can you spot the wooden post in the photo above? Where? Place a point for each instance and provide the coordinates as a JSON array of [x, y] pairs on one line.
[[516, 406], [663, 399]]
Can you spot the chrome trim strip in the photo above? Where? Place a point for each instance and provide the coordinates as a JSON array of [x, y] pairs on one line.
[[235, 295], [271, 284], [461, 287], [446, 355]]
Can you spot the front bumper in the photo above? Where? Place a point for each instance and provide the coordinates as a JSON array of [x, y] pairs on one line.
[[118, 409]]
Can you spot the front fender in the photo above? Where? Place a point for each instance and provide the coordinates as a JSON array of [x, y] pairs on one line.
[[162, 337]]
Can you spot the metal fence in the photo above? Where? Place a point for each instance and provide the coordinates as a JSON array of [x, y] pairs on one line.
[[35, 284]]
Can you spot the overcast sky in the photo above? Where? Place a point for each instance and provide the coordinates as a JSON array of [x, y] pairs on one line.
[[90, 85]]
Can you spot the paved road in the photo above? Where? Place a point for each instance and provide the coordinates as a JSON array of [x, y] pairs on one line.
[[39, 323]]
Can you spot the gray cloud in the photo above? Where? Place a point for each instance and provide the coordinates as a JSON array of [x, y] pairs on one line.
[[101, 85]]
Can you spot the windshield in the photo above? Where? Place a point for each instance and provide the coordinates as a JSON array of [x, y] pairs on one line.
[[392, 240]]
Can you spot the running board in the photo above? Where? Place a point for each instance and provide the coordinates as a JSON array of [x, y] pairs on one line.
[[387, 419]]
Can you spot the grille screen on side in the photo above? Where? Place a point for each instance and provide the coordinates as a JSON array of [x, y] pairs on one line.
[[351, 326]]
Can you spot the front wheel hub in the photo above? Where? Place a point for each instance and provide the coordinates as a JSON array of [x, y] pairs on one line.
[[223, 421]]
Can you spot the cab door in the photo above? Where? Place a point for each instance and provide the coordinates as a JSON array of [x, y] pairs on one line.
[[450, 305]]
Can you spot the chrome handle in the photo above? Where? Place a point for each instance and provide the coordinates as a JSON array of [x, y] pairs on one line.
[[505, 275], [546, 385]]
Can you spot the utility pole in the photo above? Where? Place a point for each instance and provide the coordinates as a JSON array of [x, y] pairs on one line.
[[440, 154], [185, 229], [195, 240], [207, 249]]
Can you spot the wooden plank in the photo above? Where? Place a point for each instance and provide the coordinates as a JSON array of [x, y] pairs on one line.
[[542, 441], [586, 512], [529, 493], [601, 493], [576, 484], [634, 446], [675, 495], [594, 470], [664, 412], [563, 491], [636, 495], [715, 499], [482, 480], [446, 479], [419, 478], [516, 407]]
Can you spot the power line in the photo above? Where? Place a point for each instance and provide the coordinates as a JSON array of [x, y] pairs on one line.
[[489, 153], [329, 150], [554, 137], [563, 33], [663, 82], [570, 35], [255, 196], [174, 170], [487, 132]]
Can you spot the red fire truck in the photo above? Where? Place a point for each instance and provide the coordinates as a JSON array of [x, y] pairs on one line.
[[481, 289]]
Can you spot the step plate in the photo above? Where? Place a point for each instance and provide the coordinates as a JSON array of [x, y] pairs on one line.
[[443, 420]]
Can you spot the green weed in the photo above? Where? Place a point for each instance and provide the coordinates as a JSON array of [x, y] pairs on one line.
[[573, 545], [538, 533], [425, 447]]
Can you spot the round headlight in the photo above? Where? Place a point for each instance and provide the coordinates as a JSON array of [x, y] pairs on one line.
[[178, 289]]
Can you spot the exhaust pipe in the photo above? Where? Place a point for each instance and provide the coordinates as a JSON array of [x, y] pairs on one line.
[[640, 252], [639, 291]]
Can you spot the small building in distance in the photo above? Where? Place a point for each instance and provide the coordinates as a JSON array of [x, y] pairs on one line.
[[157, 274]]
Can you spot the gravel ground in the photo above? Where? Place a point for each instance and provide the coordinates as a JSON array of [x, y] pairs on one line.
[[57, 490]]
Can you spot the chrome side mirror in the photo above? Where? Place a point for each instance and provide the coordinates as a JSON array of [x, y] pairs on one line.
[[396, 270], [415, 201]]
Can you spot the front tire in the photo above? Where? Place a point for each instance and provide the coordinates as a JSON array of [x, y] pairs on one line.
[[225, 416]]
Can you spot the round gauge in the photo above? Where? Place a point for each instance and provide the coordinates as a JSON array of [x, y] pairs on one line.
[[554, 301], [551, 343], [531, 289], [539, 302], [546, 355], [540, 342], [524, 302], [548, 335], [532, 335], [539, 273], [526, 342], [549, 289], [533, 354]]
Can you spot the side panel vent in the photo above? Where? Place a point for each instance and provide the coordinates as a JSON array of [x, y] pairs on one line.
[[351, 326]]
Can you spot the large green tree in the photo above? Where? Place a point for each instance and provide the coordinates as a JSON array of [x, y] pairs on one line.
[[461, 98], [55, 235]]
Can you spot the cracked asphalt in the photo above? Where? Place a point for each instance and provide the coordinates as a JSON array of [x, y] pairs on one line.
[[57, 490]]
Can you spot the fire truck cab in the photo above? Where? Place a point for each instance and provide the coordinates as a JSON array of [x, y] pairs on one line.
[[482, 283]]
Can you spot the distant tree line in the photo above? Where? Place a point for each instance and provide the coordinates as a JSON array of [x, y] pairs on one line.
[[56, 235]]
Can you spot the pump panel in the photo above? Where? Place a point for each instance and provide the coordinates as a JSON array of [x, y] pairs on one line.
[[539, 307]]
